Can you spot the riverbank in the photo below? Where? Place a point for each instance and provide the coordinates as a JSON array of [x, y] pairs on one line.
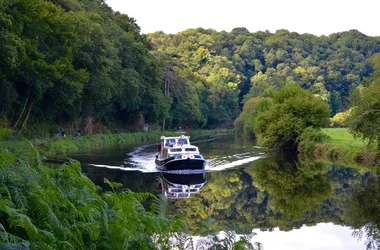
[[339, 146], [63, 146], [41, 205]]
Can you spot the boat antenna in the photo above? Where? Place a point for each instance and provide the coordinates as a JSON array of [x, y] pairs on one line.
[[180, 131]]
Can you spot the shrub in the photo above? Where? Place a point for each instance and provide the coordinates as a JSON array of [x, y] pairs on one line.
[[308, 139], [4, 132], [340, 119], [252, 107], [292, 111]]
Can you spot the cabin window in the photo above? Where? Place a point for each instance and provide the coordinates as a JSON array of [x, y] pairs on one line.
[[183, 195], [176, 190], [170, 142], [190, 149], [176, 150], [182, 142]]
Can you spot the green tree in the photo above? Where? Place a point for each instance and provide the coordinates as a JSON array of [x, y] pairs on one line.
[[252, 107], [292, 111], [42, 34], [365, 116]]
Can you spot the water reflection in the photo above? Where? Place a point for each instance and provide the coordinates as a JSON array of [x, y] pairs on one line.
[[179, 186], [275, 193], [269, 194], [363, 213], [294, 188]]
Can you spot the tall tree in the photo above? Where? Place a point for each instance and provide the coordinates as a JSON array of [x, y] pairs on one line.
[[365, 117], [45, 57]]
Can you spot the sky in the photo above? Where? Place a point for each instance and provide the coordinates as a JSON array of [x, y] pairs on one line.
[[323, 236], [318, 17]]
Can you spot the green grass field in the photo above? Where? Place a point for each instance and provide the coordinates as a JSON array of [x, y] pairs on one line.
[[343, 137]]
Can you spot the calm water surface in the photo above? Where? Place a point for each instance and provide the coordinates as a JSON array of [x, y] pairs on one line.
[[289, 204]]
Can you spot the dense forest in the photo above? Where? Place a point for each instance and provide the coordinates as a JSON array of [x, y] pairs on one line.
[[80, 65], [76, 64], [227, 68]]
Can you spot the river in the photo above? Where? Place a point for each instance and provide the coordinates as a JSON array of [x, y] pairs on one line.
[[288, 204]]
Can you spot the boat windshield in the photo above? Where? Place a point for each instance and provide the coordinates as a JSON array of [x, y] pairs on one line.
[[170, 142], [182, 142]]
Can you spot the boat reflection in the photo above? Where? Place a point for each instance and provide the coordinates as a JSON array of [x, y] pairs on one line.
[[179, 186]]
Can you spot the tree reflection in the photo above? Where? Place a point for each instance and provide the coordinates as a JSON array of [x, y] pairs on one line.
[[294, 188], [364, 212]]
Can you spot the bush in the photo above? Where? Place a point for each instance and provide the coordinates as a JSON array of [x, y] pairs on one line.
[[4, 132], [252, 107], [292, 111], [308, 139], [340, 119]]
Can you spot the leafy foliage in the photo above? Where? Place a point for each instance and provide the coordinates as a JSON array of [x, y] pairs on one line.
[[75, 62], [252, 107], [262, 61], [60, 208], [308, 139], [365, 119], [293, 110], [340, 119], [80, 65], [4, 132]]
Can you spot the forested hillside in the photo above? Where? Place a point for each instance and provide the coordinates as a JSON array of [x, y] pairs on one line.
[[77, 64], [240, 62]]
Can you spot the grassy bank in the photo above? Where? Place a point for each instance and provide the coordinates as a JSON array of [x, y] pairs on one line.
[[340, 147], [63, 146], [343, 137]]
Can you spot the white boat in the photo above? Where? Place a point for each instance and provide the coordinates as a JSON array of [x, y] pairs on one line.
[[176, 153]]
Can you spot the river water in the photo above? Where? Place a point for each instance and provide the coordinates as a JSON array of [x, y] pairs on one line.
[[289, 204]]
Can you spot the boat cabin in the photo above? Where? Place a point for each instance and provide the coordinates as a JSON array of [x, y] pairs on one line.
[[175, 141], [170, 146]]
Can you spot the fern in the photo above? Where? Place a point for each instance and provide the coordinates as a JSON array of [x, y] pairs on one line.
[[60, 208], [12, 246], [160, 205], [113, 185]]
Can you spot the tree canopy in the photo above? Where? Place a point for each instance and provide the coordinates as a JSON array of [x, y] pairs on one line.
[[293, 110], [79, 64], [364, 118]]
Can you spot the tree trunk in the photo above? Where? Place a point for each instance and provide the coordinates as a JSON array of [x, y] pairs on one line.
[[166, 93], [30, 106], [22, 113], [89, 126]]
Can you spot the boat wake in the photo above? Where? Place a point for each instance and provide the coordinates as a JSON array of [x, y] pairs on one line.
[[142, 159], [232, 164]]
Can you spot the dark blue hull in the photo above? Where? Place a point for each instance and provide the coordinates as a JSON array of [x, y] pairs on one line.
[[172, 164]]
